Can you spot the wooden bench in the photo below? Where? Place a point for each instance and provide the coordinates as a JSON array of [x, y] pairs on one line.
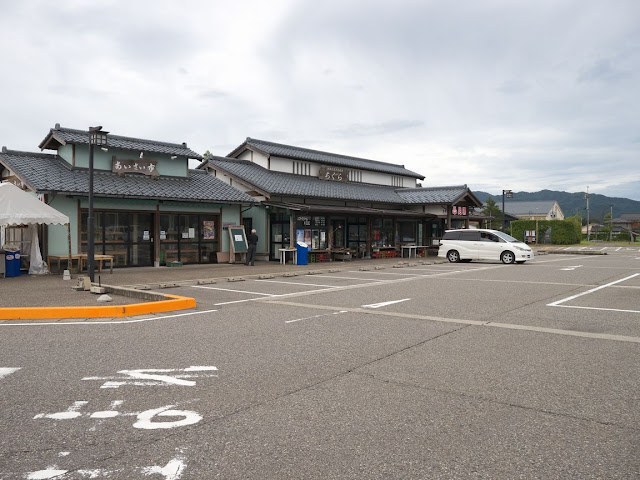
[[67, 258], [100, 259]]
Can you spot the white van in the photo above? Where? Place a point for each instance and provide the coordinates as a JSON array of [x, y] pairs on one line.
[[482, 244]]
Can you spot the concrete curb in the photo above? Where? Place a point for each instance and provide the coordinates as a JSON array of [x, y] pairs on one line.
[[160, 303]]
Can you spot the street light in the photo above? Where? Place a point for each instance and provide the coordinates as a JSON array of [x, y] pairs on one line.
[[508, 194], [96, 137]]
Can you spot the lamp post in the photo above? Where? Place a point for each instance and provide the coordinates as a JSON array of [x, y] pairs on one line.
[[508, 194], [96, 137]]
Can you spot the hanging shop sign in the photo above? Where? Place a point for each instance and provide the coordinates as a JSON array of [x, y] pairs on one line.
[[334, 174], [459, 211], [128, 165]]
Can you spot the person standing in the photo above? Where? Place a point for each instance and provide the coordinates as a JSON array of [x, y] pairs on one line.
[[252, 239]]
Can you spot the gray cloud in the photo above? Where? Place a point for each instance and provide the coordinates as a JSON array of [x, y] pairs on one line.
[[530, 95]]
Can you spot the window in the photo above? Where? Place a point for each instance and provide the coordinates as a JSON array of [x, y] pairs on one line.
[[357, 234], [382, 234], [407, 231], [470, 236], [302, 168], [313, 231], [355, 176], [397, 181], [489, 237], [279, 232], [188, 238]]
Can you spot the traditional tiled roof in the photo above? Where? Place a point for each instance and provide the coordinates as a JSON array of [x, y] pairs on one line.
[[277, 183], [47, 173], [439, 195], [305, 154], [61, 136], [288, 184]]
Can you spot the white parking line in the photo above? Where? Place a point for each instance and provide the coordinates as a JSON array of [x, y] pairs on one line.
[[378, 272], [353, 278], [315, 316], [4, 371], [231, 290], [296, 283], [384, 304], [573, 297], [509, 326]]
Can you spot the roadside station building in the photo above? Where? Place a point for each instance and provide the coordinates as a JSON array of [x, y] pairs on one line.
[[149, 207], [338, 204]]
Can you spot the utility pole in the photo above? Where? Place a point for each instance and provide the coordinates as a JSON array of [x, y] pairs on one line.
[[586, 195], [508, 194], [610, 221]]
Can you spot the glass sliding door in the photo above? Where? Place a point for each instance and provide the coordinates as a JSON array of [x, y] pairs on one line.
[[189, 238], [141, 238], [127, 236], [279, 235]]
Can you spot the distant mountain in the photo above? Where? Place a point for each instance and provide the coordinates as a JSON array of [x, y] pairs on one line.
[[571, 203]]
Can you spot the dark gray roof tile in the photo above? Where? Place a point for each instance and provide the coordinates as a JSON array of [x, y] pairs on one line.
[[305, 154], [277, 183], [49, 173], [61, 136], [444, 195]]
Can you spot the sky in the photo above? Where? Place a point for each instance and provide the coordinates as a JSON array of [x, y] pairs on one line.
[[495, 94]]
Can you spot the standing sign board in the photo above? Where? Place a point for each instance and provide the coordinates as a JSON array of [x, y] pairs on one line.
[[530, 236], [237, 242]]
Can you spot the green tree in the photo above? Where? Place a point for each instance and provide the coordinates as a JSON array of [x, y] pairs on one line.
[[493, 214]]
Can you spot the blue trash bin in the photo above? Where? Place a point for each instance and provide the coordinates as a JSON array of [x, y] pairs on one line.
[[12, 263], [302, 253]]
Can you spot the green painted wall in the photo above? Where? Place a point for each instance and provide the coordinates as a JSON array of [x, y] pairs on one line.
[[58, 241], [259, 216], [58, 234], [230, 216], [102, 160]]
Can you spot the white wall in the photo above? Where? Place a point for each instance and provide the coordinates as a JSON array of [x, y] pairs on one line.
[[286, 165]]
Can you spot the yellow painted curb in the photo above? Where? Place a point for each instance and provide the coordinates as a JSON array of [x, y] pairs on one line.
[[175, 303]]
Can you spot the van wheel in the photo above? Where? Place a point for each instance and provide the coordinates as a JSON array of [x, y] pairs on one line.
[[453, 256], [507, 257]]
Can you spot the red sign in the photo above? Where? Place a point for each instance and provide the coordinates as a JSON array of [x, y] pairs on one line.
[[459, 211]]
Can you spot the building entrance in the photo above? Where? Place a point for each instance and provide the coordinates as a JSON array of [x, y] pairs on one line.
[[128, 236], [188, 238]]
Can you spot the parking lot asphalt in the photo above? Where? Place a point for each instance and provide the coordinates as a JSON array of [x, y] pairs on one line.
[[477, 370], [29, 291]]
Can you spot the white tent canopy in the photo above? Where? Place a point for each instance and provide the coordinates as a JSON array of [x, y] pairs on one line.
[[20, 208]]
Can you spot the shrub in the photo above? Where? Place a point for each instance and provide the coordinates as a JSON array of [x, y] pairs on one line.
[[563, 232]]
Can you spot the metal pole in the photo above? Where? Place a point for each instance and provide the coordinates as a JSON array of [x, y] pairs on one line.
[[504, 217], [587, 197], [610, 222], [90, 222]]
